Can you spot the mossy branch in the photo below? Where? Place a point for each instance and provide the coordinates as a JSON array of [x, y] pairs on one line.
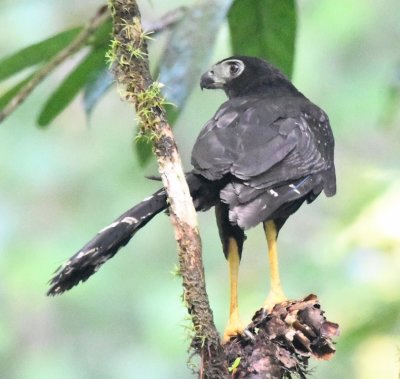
[[276, 345], [129, 59]]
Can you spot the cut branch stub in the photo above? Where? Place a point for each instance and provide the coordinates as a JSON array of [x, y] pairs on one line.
[[279, 344]]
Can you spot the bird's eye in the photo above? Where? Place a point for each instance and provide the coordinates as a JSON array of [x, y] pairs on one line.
[[234, 68]]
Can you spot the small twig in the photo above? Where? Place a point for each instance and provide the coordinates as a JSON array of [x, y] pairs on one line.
[[165, 21], [131, 68], [101, 16]]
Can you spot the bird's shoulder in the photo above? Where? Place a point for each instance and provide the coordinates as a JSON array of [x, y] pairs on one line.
[[243, 123], [266, 139], [263, 110], [251, 110]]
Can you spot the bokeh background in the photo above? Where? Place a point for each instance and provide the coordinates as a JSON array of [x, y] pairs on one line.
[[60, 185]]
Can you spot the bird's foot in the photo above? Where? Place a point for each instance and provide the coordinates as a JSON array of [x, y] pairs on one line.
[[234, 327], [275, 296]]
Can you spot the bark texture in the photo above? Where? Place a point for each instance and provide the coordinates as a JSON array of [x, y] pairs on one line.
[[279, 344], [131, 68], [276, 345]]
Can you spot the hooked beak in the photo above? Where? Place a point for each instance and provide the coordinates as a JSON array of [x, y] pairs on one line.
[[209, 81]]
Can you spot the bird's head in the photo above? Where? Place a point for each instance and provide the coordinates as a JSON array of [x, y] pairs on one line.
[[242, 75]]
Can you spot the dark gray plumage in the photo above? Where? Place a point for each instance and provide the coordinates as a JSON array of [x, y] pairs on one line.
[[269, 146], [266, 151]]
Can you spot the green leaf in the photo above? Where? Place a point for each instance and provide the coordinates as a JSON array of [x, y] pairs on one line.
[[85, 71], [6, 97], [102, 35], [96, 88], [192, 40], [265, 29], [37, 53], [102, 79], [189, 48]]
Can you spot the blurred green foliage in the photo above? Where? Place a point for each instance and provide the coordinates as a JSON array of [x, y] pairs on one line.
[[264, 29], [85, 72], [36, 53], [60, 186]]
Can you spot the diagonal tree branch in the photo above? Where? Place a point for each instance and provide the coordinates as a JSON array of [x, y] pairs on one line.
[[275, 345], [101, 16], [131, 68], [165, 21], [97, 20]]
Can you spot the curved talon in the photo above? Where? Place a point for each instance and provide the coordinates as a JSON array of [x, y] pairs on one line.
[[249, 334]]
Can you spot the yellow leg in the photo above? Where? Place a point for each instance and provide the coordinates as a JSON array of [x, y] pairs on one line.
[[276, 294], [234, 326]]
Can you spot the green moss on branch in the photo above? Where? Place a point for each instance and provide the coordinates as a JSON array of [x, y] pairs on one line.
[[129, 57]]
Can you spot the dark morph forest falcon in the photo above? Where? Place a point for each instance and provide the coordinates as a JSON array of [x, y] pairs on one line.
[[265, 152]]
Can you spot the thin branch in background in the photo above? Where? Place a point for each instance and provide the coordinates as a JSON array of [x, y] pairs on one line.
[[131, 68], [101, 16], [165, 21]]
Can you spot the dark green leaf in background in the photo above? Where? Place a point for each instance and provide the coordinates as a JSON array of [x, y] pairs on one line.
[[37, 53], [96, 87], [100, 79], [143, 150], [85, 72], [189, 48], [6, 97], [102, 35], [264, 28]]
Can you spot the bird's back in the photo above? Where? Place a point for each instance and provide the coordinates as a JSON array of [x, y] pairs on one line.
[[274, 148]]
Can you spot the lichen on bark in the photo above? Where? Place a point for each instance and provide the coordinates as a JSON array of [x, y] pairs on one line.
[[131, 68]]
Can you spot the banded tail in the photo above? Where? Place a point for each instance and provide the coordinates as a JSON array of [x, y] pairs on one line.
[[106, 243], [110, 239]]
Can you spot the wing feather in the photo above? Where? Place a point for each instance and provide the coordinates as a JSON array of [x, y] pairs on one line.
[[270, 152]]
